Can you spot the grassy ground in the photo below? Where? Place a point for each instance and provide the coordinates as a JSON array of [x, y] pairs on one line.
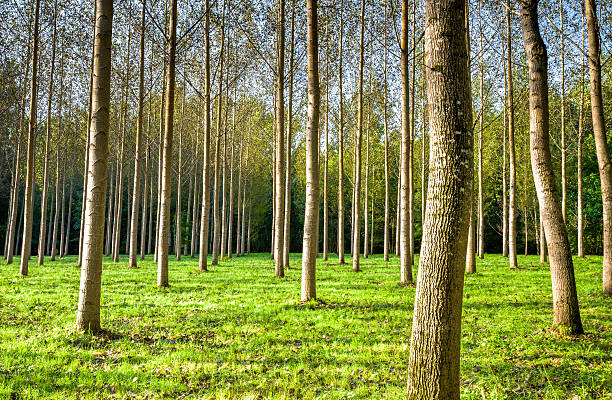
[[236, 332]]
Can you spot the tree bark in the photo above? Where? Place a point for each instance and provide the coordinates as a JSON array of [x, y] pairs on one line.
[[29, 189], [386, 132], [480, 135], [340, 144], [45, 189], [287, 220], [178, 248], [404, 201], [166, 186], [133, 260], [279, 173], [580, 211], [358, 138], [88, 314], [311, 215], [601, 144], [69, 219], [565, 299], [58, 148], [204, 215], [512, 188], [433, 367]]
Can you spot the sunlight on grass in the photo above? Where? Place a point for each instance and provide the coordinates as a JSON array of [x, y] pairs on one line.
[[238, 332]]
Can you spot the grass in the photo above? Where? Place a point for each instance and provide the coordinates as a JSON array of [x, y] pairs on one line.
[[238, 333]]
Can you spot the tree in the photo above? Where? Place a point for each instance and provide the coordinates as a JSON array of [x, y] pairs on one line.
[[433, 366], [287, 220], [340, 145], [43, 207], [29, 189], [565, 298], [511, 147], [311, 214], [279, 167], [133, 261], [88, 314], [166, 185], [358, 138], [601, 144], [203, 253], [404, 206]]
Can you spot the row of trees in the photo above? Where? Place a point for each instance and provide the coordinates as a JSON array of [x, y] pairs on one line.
[[226, 139]]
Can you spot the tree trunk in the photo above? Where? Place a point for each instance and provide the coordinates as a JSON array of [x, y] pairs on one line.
[[340, 144], [580, 229], [133, 261], [404, 206], [69, 219], [88, 314], [543, 246], [44, 196], [599, 132], [29, 189], [166, 186], [433, 367], [279, 173], [326, 168], [145, 195], [179, 181], [386, 132], [63, 214], [480, 135], [58, 148], [505, 166], [203, 254], [13, 211], [565, 299], [110, 212], [512, 191], [311, 214], [358, 138], [563, 147]]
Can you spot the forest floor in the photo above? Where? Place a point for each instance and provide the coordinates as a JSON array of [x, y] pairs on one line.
[[236, 332]]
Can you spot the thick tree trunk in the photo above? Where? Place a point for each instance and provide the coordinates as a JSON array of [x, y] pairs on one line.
[[26, 244], [166, 186], [45, 189], [88, 314], [601, 144], [203, 253], [565, 298], [133, 261], [404, 206], [512, 189], [433, 367], [311, 215]]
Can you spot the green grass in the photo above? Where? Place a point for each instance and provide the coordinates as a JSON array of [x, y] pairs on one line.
[[238, 333]]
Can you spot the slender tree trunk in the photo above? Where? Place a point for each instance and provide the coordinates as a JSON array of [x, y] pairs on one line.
[[311, 215], [279, 167], [397, 212], [58, 148], [130, 194], [203, 254], [217, 199], [88, 314], [563, 146], [386, 131], [194, 207], [433, 366], [110, 212], [599, 132], [512, 191], [404, 206], [45, 189], [29, 189], [150, 235], [145, 194], [565, 299], [366, 227], [480, 135], [340, 143], [326, 170], [166, 186], [63, 213], [69, 219], [230, 217], [358, 138], [411, 144], [179, 181], [133, 261], [580, 230], [287, 218], [505, 165], [14, 203]]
